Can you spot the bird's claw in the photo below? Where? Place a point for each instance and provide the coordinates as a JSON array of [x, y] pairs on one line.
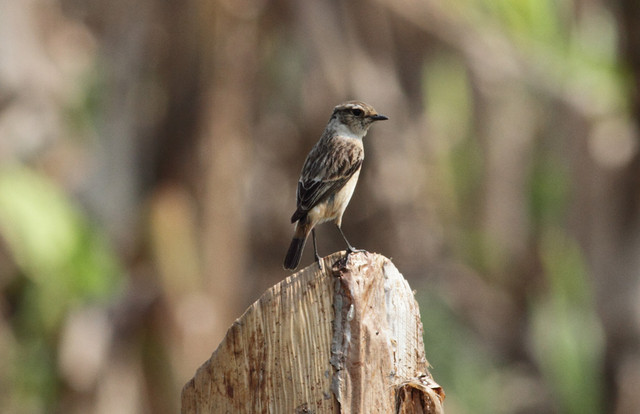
[[352, 249]]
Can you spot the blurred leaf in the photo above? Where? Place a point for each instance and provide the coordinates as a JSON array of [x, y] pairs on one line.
[[65, 263], [566, 333], [591, 68], [54, 246], [526, 21], [447, 95], [449, 107], [32, 370], [549, 190], [459, 362]]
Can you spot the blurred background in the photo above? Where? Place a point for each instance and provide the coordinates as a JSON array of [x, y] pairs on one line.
[[149, 153]]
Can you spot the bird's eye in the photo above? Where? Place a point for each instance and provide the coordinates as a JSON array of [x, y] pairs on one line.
[[357, 112]]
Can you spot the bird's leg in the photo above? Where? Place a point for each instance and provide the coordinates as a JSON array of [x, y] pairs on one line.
[[350, 248], [315, 248]]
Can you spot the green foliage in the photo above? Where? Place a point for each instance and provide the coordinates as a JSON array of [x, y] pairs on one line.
[[447, 96], [565, 50], [525, 21], [566, 333], [459, 362], [458, 155], [448, 99], [66, 261], [63, 262], [549, 192]]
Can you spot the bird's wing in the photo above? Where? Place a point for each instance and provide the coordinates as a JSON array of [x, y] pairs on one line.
[[326, 170]]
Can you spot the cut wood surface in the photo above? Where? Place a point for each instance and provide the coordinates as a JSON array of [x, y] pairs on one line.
[[346, 338]]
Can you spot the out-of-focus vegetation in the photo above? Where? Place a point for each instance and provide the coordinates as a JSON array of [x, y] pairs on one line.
[[62, 266], [149, 157]]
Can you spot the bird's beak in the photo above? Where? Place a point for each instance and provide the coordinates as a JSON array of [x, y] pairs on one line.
[[378, 117]]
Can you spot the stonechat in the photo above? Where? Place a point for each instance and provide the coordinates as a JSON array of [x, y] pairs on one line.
[[329, 176]]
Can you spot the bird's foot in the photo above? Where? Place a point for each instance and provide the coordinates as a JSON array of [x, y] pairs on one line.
[[352, 249]]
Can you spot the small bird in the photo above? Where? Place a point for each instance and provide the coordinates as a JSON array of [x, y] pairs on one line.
[[329, 176]]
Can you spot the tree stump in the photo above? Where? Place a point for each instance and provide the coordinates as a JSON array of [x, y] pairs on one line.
[[346, 338]]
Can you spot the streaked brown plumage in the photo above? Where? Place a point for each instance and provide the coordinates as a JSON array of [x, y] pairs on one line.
[[330, 174]]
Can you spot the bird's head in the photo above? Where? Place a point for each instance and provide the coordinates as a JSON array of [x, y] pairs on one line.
[[356, 116]]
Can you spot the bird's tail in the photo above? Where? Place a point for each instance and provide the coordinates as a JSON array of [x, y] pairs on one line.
[[292, 259]]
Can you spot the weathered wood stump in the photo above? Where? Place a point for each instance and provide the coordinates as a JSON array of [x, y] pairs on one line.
[[346, 338]]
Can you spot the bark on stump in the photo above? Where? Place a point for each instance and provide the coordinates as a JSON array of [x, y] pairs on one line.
[[344, 339]]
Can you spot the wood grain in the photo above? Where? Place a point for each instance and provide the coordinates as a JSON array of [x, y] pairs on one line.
[[289, 353]]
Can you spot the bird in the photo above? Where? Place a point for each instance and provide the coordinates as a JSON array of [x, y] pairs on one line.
[[329, 176]]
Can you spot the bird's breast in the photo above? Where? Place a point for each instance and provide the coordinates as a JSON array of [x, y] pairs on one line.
[[333, 207]]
